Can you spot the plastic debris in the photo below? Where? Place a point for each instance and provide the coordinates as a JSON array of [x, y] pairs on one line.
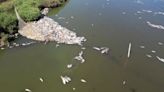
[[28, 90], [129, 50], [80, 57], [82, 80], [65, 79], [160, 59]]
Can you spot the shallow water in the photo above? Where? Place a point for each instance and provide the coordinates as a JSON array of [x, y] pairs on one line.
[[112, 24]]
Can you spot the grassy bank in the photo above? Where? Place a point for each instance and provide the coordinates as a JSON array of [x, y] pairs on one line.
[[29, 10]]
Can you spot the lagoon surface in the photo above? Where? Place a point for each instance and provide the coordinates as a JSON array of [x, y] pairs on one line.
[[104, 23]]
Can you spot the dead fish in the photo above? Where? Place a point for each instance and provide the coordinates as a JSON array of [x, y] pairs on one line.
[[160, 59], [82, 80], [65, 79], [129, 50], [149, 56], [41, 79], [28, 90], [69, 66]]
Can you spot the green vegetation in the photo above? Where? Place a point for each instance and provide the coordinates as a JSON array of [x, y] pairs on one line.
[[29, 10]]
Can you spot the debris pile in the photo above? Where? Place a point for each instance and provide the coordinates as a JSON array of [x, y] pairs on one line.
[[46, 29]]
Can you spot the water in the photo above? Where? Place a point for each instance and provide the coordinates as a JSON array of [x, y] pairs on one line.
[[112, 24]]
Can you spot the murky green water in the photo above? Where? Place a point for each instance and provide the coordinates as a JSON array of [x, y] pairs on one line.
[[112, 24]]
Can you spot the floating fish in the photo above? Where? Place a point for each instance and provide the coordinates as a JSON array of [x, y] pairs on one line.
[[41, 79], [82, 80], [28, 90], [69, 66], [65, 79], [160, 59], [129, 50]]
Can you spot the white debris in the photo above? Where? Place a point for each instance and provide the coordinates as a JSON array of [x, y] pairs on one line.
[[139, 2], [92, 25], [129, 49], [159, 13], [2, 48], [80, 57], [74, 89], [82, 80], [153, 51], [139, 17], [155, 26], [124, 13], [28, 90], [124, 82], [139, 12], [83, 48], [65, 79], [149, 56], [160, 59], [41, 79], [102, 49], [160, 43], [69, 66], [142, 47], [72, 17], [147, 11], [96, 48], [57, 45], [61, 18], [45, 11]]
